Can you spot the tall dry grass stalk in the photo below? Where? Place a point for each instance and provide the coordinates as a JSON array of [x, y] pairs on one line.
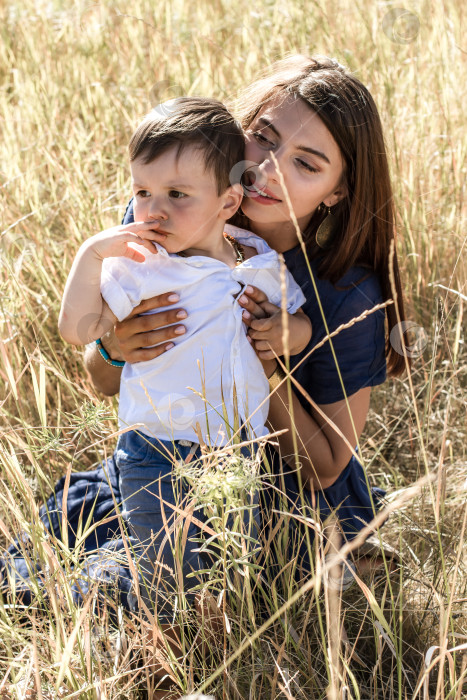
[[75, 77]]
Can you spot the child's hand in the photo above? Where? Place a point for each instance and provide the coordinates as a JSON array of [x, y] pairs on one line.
[[265, 327], [84, 316], [116, 241], [267, 333]]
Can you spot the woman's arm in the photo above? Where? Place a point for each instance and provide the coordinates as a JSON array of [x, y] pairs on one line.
[[323, 453], [104, 376]]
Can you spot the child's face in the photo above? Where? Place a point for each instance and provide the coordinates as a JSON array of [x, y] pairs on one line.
[[180, 195]]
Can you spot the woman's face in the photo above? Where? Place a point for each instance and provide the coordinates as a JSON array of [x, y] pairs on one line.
[[308, 158]]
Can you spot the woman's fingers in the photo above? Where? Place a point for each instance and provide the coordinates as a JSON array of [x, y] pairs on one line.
[[146, 354], [148, 344], [134, 328], [154, 303], [271, 309], [137, 333], [142, 331]]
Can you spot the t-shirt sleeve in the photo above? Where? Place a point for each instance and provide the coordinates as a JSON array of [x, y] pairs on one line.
[[268, 279], [359, 350], [293, 294], [125, 283]]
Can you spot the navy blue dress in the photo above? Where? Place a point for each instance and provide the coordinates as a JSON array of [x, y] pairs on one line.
[[360, 353]]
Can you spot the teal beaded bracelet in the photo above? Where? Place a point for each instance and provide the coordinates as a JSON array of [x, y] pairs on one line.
[[105, 355]]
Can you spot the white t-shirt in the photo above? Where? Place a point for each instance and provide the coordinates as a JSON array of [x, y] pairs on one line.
[[212, 377]]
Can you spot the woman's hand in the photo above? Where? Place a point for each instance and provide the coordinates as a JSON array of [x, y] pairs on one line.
[[131, 337], [141, 338], [266, 329]]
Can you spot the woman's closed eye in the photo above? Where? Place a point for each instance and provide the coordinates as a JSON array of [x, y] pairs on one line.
[[307, 166], [262, 140]]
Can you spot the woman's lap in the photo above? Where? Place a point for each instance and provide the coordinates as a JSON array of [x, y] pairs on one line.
[[92, 497], [304, 513]]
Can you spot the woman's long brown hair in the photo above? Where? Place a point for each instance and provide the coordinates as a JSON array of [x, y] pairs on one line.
[[366, 216]]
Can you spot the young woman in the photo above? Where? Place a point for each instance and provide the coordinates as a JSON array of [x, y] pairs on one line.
[[314, 145], [315, 160]]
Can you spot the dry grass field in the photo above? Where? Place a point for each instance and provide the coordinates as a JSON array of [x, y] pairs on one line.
[[75, 77]]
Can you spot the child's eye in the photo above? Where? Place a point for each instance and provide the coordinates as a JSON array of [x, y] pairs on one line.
[[176, 194], [143, 194]]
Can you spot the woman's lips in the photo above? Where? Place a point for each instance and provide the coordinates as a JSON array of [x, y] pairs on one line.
[[262, 196]]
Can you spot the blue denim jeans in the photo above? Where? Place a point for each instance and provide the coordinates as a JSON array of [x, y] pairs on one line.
[[154, 508]]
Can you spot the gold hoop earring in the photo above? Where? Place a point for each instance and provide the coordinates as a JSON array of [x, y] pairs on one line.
[[326, 230]]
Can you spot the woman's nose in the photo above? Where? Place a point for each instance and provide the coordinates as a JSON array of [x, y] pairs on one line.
[[267, 170]]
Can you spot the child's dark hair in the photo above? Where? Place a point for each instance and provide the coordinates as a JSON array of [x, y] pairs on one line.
[[193, 121]]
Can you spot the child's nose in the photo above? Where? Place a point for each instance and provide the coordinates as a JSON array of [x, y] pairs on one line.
[[157, 211]]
